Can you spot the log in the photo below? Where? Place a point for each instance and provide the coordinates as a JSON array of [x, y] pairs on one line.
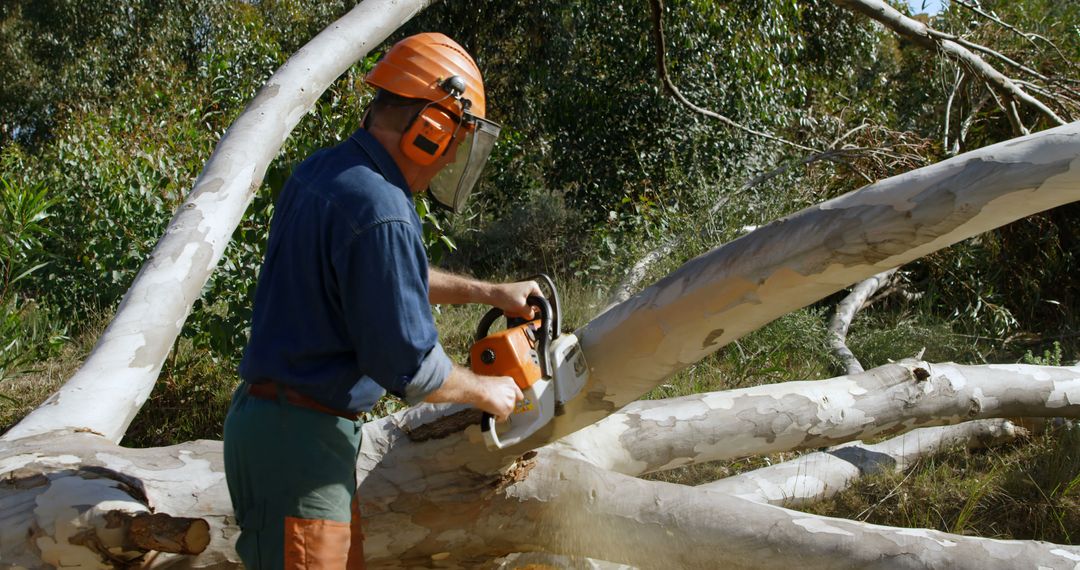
[[77, 499], [656, 435], [459, 518], [738, 287], [578, 509], [823, 474]]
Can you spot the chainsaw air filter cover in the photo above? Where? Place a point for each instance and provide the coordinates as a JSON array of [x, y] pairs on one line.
[[511, 352]]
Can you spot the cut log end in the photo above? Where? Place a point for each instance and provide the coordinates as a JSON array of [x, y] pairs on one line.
[[162, 532]]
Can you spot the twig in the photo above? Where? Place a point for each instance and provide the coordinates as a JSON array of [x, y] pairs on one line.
[[661, 67], [1029, 36], [944, 43], [948, 105], [845, 312]]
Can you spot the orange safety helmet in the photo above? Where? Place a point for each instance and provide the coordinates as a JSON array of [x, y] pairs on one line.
[[434, 68]]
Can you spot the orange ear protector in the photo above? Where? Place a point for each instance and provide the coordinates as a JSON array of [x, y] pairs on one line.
[[428, 135], [433, 129]]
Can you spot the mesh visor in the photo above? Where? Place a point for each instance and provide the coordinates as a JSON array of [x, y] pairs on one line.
[[453, 184]]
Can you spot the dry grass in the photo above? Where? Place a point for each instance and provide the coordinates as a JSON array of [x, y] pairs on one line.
[[28, 390]]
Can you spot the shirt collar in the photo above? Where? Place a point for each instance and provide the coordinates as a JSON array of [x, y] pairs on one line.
[[382, 160]]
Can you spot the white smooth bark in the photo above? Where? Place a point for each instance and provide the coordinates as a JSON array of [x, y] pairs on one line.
[[845, 312], [823, 474], [738, 287], [454, 517], [120, 372], [575, 508], [56, 490], [656, 435]]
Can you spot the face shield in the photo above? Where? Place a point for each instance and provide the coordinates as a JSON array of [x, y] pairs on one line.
[[453, 184]]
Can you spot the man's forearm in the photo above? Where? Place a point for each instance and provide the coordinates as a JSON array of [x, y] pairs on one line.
[[449, 289], [493, 394], [461, 386]]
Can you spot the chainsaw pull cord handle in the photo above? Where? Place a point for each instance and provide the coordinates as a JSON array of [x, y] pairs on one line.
[[487, 421]]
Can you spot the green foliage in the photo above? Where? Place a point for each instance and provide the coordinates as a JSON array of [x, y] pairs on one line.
[[1050, 357], [24, 335], [591, 132], [23, 211], [1011, 283]]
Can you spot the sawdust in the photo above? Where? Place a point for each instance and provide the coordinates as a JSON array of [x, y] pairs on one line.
[[445, 426]]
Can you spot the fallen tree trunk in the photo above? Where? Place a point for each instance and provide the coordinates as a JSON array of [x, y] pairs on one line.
[[75, 499], [740, 286], [575, 508], [655, 435], [823, 474], [461, 519]]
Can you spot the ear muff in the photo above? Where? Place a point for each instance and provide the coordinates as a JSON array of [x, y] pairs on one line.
[[428, 135]]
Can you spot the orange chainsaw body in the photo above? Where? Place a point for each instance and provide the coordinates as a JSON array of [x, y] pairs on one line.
[[511, 352]]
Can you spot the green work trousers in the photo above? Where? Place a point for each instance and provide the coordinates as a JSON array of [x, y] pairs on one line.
[[291, 473]]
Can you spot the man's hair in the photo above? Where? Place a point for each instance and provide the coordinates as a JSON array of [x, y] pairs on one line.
[[392, 111]]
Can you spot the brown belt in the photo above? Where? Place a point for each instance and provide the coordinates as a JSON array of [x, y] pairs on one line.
[[270, 391]]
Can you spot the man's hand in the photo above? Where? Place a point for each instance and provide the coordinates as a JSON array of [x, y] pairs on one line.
[[512, 298], [503, 394], [446, 287], [496, 395]]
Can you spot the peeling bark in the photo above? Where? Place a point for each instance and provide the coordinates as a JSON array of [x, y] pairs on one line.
[[823, 474], [458, 516], [578, 509], [655, 435], [737, 288], [63, 494]]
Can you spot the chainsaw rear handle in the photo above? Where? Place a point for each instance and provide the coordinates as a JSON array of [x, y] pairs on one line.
[[543, 338]]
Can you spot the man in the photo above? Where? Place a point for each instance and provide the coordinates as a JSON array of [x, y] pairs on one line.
[[342, 310]]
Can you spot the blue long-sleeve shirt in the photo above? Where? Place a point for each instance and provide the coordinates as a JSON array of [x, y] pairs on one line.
[[341, 310]]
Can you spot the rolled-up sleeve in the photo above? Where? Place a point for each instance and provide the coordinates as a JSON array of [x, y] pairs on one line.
[[382, 281]]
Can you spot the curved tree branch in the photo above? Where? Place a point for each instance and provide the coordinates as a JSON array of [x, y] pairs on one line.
[[823, 474], [946, 44], [845, 312], [572, 507]]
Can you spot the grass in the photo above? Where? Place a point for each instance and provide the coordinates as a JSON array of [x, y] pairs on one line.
[[1029, 490], [25, 391]]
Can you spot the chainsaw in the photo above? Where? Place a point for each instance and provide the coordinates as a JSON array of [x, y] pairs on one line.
[[544, 362]]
